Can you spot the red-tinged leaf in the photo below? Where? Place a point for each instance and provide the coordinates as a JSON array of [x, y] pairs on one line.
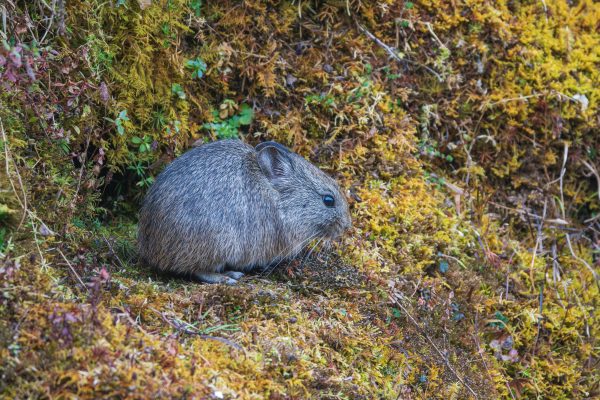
[[104, 275]]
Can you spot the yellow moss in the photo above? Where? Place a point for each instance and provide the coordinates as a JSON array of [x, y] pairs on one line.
[[320, 85]]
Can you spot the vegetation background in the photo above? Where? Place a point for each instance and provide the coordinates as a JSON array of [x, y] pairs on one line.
[[466, 133]]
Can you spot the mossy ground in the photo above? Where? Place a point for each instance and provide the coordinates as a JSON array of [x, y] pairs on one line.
[[466, 135]]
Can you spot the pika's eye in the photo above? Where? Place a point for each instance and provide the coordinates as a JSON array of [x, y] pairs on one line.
[[329, 201]]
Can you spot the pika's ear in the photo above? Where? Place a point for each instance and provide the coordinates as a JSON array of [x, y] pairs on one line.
[[279, 146], [274, 161]]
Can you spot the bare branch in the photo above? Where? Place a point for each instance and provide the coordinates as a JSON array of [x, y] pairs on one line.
[[395, 55], [396, 299]]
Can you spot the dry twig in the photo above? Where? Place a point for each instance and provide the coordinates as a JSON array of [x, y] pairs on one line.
[[186, 329], [113, 252], [73, 270], [395, 55], [562, 208]]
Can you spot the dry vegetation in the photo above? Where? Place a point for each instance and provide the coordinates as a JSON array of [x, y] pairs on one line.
[[465, 132]]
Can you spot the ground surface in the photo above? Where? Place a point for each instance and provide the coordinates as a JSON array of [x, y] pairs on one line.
[[465, 134]]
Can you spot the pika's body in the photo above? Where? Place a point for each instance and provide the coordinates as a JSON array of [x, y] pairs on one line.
[[228, 206]]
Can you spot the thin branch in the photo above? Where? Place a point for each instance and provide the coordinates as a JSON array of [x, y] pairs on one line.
[[520, 98], [453, 258], [553, 221], [525, 98], [545, 9], [581, 260], [539, 322], [129, 318], [394, 55], [73, 270], [195, 331], [7, 158], [563, 170], [113, 252], [562, 199], [556, 272], [395, 297], [539, 241], [430, 29], [49, 23], [594, 171]]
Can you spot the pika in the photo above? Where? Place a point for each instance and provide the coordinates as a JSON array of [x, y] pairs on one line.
[[225, 207]]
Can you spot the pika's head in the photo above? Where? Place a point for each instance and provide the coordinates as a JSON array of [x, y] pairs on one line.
[[310, 203]]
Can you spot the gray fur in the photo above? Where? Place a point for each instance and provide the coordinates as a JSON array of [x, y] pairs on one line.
[[227, 205]]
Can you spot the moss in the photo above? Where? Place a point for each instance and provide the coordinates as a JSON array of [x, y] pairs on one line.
[[438, 292]]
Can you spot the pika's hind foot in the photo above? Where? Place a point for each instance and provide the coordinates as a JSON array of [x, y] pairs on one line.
[[213, 277], [234, 274]]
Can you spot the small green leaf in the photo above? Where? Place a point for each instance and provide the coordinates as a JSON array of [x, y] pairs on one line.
[[136, 140], [198, 66], [177, 125], [246, 115], [444, 266], [178, 90], [196, 6], [500, 321], [64, 146]]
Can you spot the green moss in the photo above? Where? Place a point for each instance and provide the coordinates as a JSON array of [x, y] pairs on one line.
[[447, 178]]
